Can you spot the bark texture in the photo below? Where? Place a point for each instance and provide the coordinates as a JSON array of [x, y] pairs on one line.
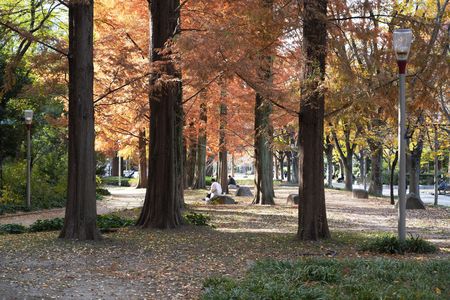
[[81, 211], [376, 158], [394, 164], [329, 154], [164, 197], [191, 155], [346, 156], [313, 223], [200, 165], [223, 156], [263, 154], [142, 160], [414, 171]]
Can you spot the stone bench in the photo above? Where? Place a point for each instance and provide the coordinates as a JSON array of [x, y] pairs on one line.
[[413, 202], [221, 199], [360, 194], [244, 191], [293, 199]]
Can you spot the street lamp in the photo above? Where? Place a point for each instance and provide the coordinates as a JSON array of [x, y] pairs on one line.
[[28, 120], [402, 45]]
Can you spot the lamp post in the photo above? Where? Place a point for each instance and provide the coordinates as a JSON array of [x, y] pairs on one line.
[[402, 44], [28, 120]]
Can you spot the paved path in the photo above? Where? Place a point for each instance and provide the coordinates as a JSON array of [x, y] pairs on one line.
[[426, 193]]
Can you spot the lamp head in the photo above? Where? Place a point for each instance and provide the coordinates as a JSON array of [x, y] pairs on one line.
[[402, 40], [28, 116]]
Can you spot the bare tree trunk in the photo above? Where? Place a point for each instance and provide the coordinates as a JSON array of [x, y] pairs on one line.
[[223, 156], [80, 220], [414, 173], [191, 155], [263, 154], [436, 165], [200, 167], [263, 130], [376, 154], [341, 168], [346, 158], [348, 171], [232, 165], [329, 154], [294, 175], [313, 223], [289, 163], [142, 160], [394, 164], [277, 177], [164, 197]]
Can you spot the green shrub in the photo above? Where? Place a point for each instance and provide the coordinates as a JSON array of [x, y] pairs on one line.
[[419, 245], [12, 229], [47, 225], [103, 222], [392, 245], [114, 180], [208, 180], [102, 192], [113, 221], [321, 278], [46, 190], [197, 219]]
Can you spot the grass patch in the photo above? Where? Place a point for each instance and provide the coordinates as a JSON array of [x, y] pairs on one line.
[[333, 279], [392, 245]]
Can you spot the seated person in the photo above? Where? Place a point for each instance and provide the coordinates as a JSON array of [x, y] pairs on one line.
[[216, 189], [442, 185], [231, 181]]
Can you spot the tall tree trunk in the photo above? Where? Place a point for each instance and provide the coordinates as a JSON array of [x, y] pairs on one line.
[[223, 156], [200, 167], [362, 168], [329, 154], [142, 160], [414, 171], [312, 219], [281, 164], [376, 158], [277, 177], [164, 197], [1, 175], [341, 168], [115, 166], [436, 165], [263, 130], [294, 175], [80, 220], [289, 164], [263, 154], [191, 144], [346, 158], [394, 164], [210, 166], [348, 171]]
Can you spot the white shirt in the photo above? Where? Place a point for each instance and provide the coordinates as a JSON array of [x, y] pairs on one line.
[[216, 189]]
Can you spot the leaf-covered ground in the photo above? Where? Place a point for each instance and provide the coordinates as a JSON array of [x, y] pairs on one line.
[[137, 264]]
